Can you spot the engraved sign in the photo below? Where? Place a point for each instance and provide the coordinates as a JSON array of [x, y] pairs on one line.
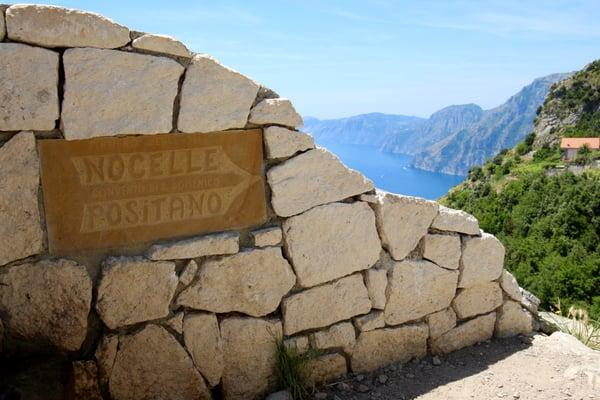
[[113, 192]]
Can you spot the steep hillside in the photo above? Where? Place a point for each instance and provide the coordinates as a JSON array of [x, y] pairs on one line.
[[545, 212]]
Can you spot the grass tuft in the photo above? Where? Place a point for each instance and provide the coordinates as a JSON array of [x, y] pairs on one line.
[[292, 370]]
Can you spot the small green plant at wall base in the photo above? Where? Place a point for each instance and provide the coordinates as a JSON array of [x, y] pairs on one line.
[[292, 373]]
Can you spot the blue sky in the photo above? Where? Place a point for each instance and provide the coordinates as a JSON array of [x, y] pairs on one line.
[[341, 58]]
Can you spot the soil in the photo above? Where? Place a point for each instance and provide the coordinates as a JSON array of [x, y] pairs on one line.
[[537, 367]]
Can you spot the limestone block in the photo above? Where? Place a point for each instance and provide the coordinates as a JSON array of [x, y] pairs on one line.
[[105, 355], [452, 220], [133, 290], [380, 347], [441, 322], [250, 358], [311, 179], [513, 320], [478, 299], [109, 92], [47, 302], [371, 321], [200, 246], [402, 221], [331, 241], [325, 369], [214, 97], [299, 344], [51, 26], [482, 260], [418, 288], [510, 286], [467, 334], [161, 44], [376, 280], [270, 236], [252, 282], [28, 88], [529, 301], [151, 364], [340, 336], [282, 142], [176, 322], [444, 250], [85, 381], [344, 299], [203, 341], [19, 185], [189, 273], [275, 111]]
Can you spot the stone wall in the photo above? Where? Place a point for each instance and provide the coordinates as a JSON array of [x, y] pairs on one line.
[[366, 277]]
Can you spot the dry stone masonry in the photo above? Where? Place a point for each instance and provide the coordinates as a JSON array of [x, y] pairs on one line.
[[312, 253]]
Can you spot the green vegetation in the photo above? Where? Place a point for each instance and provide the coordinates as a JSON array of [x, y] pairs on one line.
[[578, 324], [292, 370], [550, 225]]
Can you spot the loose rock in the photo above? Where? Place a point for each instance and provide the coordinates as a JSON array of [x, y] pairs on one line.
[[513, 320], [141, 103], [151, 364], [282, 142], [452, 220], [29, 88], [275, 111], [402, 221], [311, 179], [214, 97], [19, 186], [346, 242], [120, 303], [201, 246], [529, 301], [281, 395], [482, 260], [444, 250], [271, 236], [345, 298], [51, 26], [48, 302], [203, 341], [467, 334], [478, 299], [161, 44], [252, 282], [381, 347], [418, 288], [249, 369]]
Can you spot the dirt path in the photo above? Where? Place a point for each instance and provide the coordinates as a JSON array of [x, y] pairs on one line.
[[544, 368]]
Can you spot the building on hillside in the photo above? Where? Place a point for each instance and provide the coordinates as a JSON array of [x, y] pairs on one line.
[[570, 146]]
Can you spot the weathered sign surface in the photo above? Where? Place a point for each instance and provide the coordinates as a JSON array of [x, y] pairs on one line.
[[121, 191]]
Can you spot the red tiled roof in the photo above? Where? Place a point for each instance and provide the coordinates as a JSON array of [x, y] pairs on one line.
[[576, 143]]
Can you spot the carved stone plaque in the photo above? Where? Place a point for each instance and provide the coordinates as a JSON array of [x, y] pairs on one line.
[[114, 192]]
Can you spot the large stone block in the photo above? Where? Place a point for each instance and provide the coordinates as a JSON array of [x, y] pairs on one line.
[[418, 288], [325, 369], [510, 286], [402, 221], [203, 341], [441, 322], [344, 299], [151, 364], [133, 290], [376, 281], [473, 331], [161, 44], [381, 347], [214, 97], [478, 299], [282, 142], [452, 220], [340, 336], [28, 88], [444, 250], [51, 26], [19, 185], [275, 111], [331, 241], [46, 302], [252, 282], [201, 246], [311, 179], [109, 92], [482, 260], [250, 358], [513, 320]]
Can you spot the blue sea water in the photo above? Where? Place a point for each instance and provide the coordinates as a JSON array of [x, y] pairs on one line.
[[392, 172]]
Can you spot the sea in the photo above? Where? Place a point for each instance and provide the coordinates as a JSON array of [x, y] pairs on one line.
[[392, 172]]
